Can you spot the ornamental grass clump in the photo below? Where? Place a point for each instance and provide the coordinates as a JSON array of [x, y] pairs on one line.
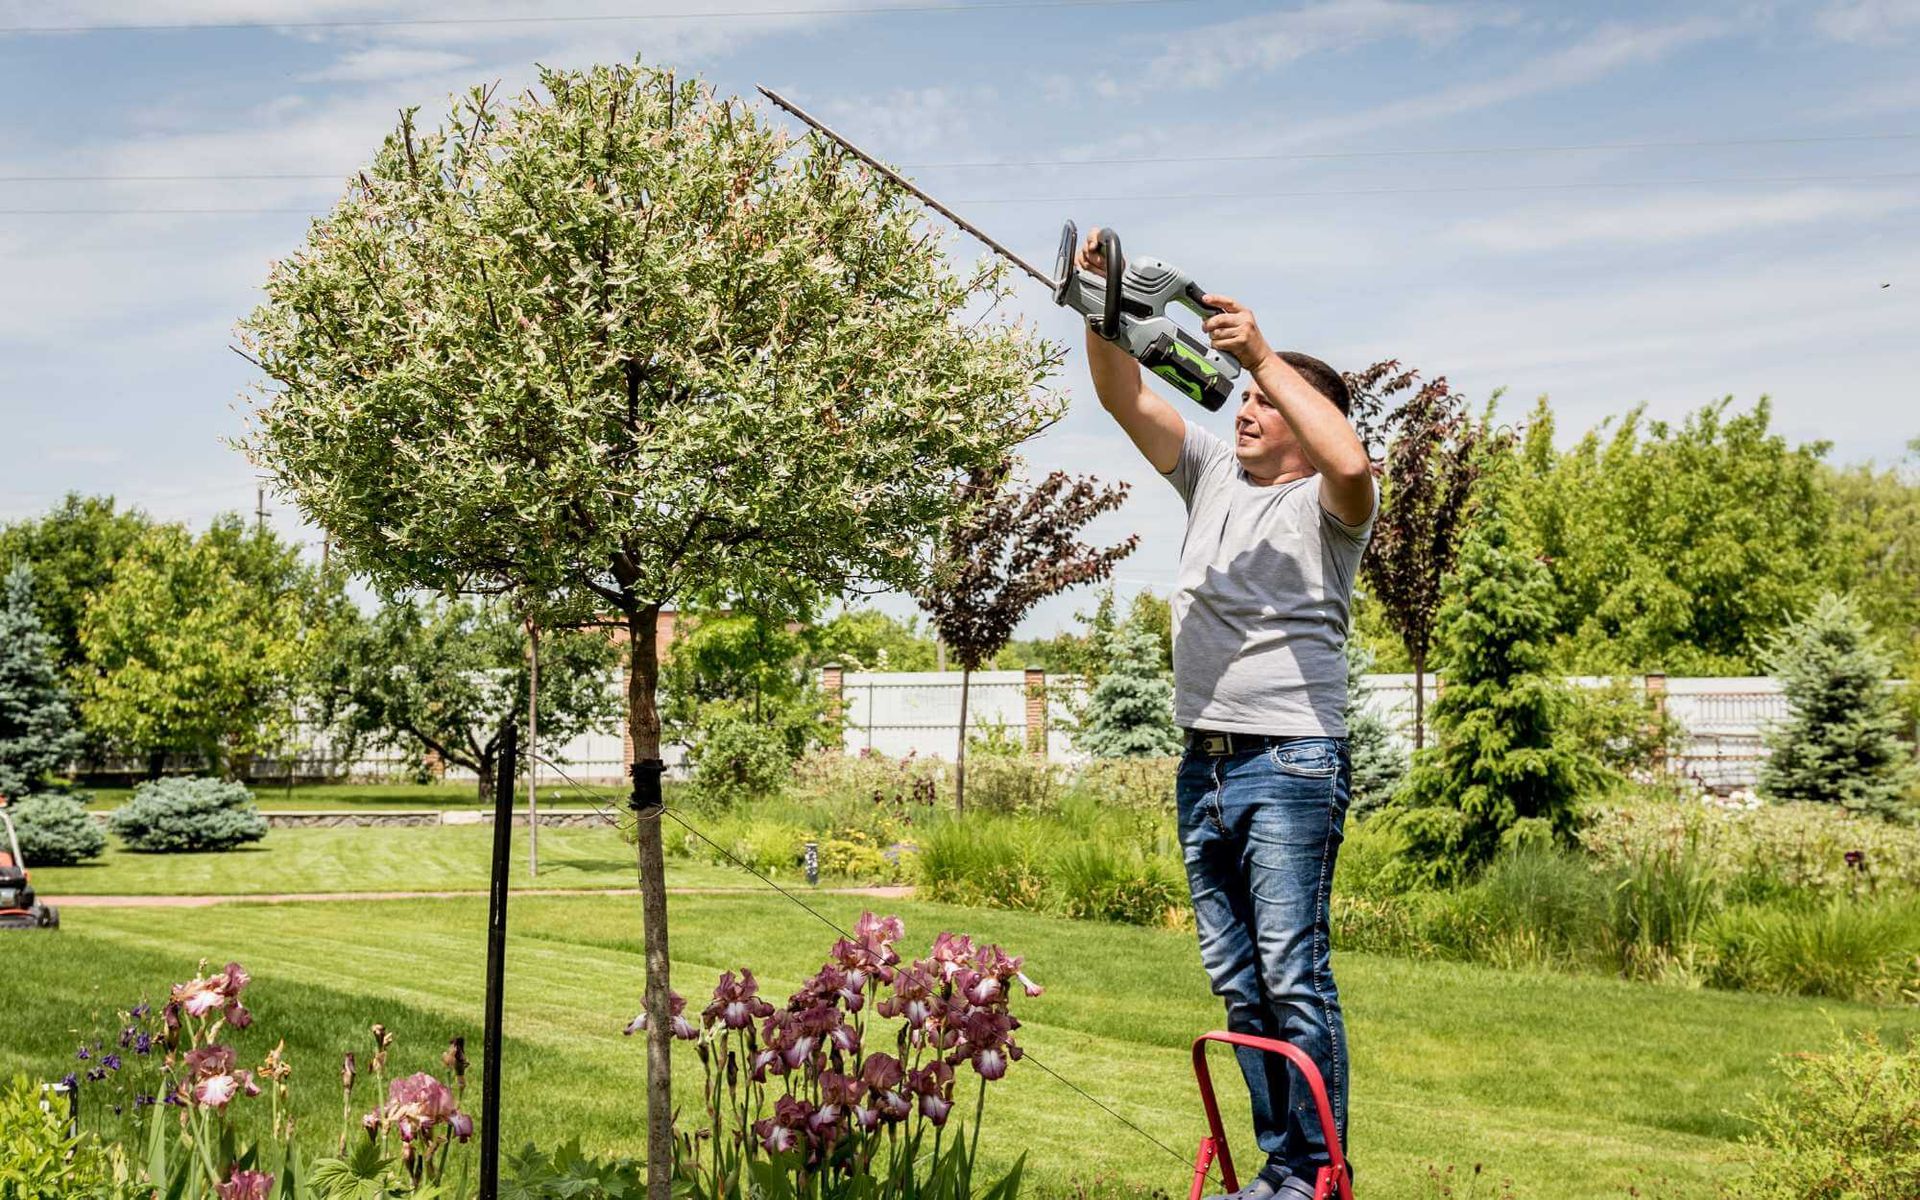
[[808, 1098]]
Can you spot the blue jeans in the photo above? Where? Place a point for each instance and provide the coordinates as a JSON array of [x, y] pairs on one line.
[[1260, 831]]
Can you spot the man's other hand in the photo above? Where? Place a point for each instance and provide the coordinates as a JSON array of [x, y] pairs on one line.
[[1088, 257], [1235, 331]]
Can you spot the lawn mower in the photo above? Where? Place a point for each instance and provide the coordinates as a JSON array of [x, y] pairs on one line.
[[18, 907], [1332, 1182]]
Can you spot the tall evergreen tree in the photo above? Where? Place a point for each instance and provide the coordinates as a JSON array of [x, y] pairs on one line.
[[1130, 713], [1502, 759], [1841, 743], [37, 734]]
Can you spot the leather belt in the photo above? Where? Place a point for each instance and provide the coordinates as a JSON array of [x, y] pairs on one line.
[[1216, 745]]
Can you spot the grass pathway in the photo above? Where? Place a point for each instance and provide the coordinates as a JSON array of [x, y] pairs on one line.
[[1571, 1087]]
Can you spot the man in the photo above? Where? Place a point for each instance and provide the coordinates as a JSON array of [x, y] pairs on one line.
[[1275, 528]]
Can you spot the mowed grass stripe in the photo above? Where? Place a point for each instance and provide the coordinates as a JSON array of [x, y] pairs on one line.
[[1574, 1087]]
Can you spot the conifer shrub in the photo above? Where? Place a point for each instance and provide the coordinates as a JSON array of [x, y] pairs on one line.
[[1841, 742], [56, 830], [1846, 1125], [178, 815], [1504, 757]]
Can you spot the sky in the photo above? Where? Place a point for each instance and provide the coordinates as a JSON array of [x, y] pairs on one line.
[[1612, 205]]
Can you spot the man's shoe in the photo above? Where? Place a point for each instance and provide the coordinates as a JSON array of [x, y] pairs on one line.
[[1294, 1187], [1261, 1188]]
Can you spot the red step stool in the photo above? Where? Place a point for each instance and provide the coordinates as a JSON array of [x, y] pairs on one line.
[[1331, 1182]]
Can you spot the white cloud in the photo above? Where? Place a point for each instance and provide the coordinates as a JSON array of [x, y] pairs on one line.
[[386, 62], [1593, 58], [1212, 55], [1675, 217], [1872, 22], [1882, 98]]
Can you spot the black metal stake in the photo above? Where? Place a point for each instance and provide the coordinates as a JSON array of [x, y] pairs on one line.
[[507, 773]]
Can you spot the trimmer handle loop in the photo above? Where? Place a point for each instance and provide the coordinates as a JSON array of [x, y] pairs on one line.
[[1107, 324]]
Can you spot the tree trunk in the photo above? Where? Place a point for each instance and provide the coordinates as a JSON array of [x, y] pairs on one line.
[[485, 771], [533, 749], [1419, 700], [960, 756], [643, 722], [156, 763]]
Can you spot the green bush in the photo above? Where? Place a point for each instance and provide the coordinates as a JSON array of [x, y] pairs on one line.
[[1024, 783], [1541, 897], [38, 1159], [56, 831], [1094, 880], [737, 759], [901, 787], [1774, 851], [1618, 726], [1844, 949], [1661, 904], [1129, 784], [994, 861], [1847, 1127], [1368, 856], [171, 815]]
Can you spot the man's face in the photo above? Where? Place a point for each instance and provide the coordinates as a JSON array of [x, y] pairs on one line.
[[1262, 437]]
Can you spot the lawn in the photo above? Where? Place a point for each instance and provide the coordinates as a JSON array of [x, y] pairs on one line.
[[372, 859], [1572, 1087], [382, 797]]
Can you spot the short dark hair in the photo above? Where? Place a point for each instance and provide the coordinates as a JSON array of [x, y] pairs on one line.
[[1325, 380]]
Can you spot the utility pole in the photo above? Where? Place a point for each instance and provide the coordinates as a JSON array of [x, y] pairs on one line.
[[259, 507]]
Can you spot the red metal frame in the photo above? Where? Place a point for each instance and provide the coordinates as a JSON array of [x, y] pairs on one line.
[[1331, 1182]]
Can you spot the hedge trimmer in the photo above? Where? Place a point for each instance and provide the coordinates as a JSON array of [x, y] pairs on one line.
[[1127, 305]]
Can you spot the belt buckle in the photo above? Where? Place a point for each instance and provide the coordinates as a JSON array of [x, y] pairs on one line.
[[1216, 743]]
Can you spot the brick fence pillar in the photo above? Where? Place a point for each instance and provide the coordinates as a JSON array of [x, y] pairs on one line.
[[1036, 711], [833, 681]]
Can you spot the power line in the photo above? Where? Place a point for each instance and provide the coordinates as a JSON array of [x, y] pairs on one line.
[[1700, 181], [1145, 160], [583, 18]]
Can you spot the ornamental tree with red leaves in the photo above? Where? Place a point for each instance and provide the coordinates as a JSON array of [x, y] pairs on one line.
[[1431, 464], [1010, 548]]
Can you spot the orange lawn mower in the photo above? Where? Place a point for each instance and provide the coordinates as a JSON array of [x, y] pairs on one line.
[[1332, 1182], [19, 909]]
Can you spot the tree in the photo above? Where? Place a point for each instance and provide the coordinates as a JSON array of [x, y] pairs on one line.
[[867, 639], [1430, 469], [746, 667], [199, 644], [73, 550], [1503, 768], [1130, 711], [37, 736], [1378, 764], [449, 676], [1875, 552], [1675, 548], [623, 344], [1841, 742], [1011, 547]]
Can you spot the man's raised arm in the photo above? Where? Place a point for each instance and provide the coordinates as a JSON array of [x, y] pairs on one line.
[[1155, 426]]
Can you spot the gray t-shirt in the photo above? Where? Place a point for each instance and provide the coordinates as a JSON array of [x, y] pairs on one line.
[[1262, 600]]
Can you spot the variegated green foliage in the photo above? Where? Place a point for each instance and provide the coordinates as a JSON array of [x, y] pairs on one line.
[[622, 340]]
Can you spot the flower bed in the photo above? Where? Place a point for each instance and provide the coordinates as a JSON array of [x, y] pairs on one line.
[[849, 1087]]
